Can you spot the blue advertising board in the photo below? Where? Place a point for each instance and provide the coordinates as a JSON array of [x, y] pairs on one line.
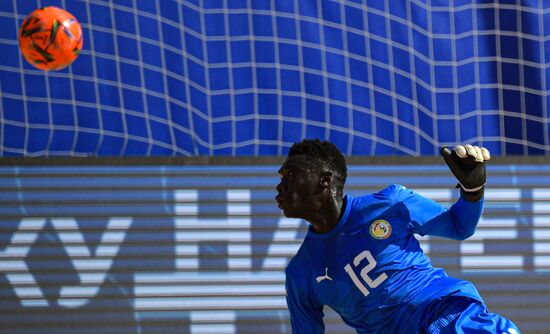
[[202, 249]]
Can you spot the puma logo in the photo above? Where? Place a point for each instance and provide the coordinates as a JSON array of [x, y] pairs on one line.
[[321, 278]]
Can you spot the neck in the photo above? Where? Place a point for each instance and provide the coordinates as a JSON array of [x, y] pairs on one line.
[[328, 215]]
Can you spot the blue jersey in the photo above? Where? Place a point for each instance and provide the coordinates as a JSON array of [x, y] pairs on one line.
[[370, 268]]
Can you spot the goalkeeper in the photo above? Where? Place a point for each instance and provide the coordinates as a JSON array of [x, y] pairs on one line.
[[360, 256]]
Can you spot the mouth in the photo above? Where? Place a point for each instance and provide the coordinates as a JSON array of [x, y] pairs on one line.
[[280, 201]]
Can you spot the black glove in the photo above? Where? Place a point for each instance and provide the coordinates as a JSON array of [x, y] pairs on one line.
[[467, 164]]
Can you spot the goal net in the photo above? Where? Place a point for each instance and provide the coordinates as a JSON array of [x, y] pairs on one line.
[[249, 78]]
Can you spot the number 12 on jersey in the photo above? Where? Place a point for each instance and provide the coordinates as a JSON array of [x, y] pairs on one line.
[[371, 264]]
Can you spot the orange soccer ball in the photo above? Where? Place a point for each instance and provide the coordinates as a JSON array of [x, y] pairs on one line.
[[50, 38]]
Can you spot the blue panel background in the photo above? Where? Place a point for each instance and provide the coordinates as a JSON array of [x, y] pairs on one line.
[[188, 78], [181, 263]]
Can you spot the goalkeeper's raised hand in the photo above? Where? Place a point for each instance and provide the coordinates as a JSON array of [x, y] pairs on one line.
[[468, 165]]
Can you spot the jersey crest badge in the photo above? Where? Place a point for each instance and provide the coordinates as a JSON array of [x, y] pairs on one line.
[[380, 229]]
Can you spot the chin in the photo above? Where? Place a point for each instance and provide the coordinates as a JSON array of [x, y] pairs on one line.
[[291, 214]]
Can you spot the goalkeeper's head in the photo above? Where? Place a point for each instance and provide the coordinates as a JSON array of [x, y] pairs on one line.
[[312, 176], [322, 157]]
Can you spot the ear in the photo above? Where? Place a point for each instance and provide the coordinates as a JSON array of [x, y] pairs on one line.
[[326, 179]]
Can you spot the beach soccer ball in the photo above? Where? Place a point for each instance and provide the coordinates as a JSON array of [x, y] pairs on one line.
[[50, 38]]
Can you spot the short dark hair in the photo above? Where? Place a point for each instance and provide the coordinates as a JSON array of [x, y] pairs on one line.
[[323, 154]]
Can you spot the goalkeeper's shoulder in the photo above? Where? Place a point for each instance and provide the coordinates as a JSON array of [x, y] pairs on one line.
[[393, 191]]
